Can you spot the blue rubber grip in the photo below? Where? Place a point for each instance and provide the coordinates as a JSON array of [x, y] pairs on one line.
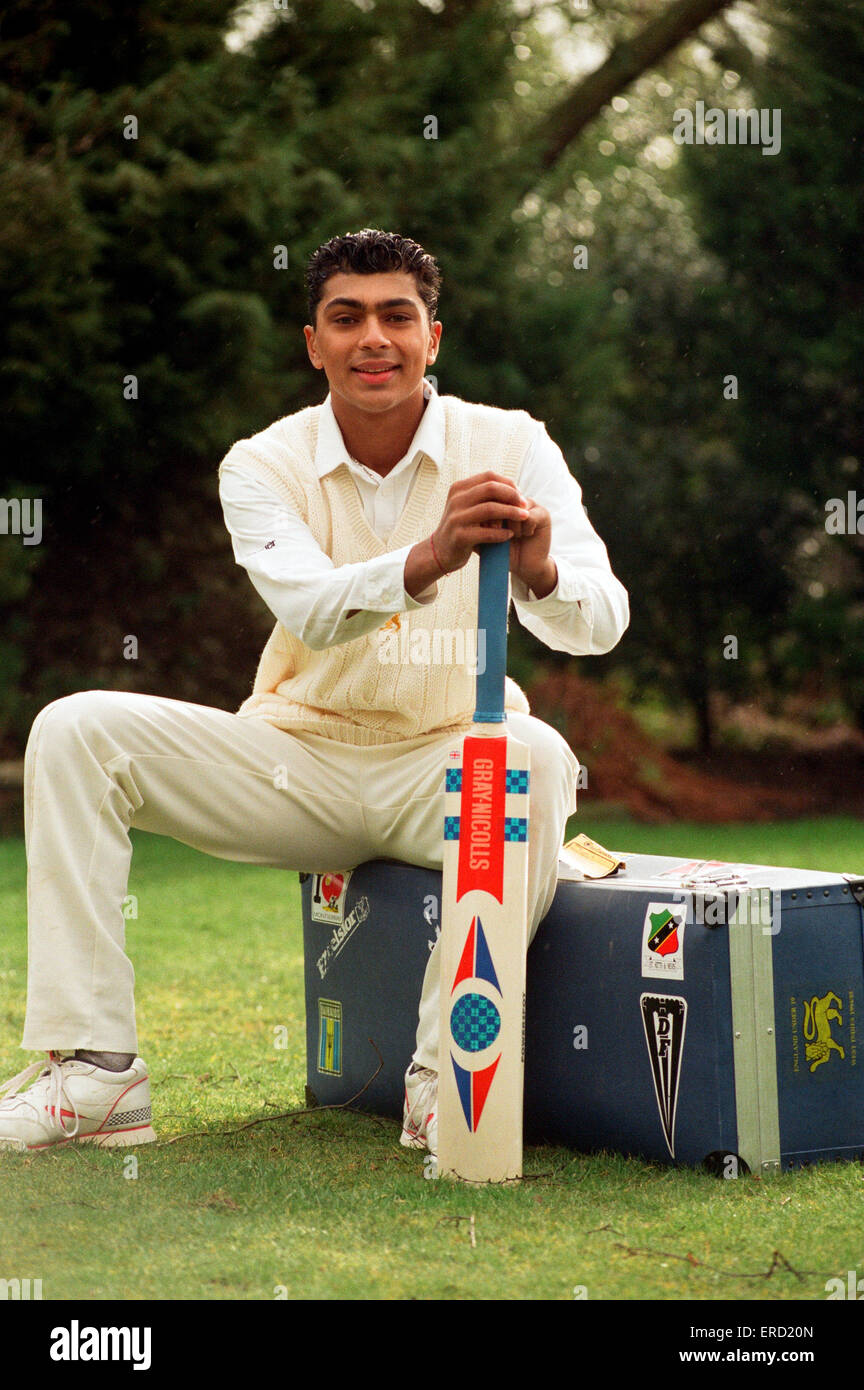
[[493, 602]]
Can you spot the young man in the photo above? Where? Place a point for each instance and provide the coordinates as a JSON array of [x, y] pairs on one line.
[[353, 518]]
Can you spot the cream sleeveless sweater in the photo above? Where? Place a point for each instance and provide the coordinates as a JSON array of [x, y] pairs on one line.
[[411, 677]]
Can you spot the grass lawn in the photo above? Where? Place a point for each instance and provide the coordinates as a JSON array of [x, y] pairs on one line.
[[327, 1205]]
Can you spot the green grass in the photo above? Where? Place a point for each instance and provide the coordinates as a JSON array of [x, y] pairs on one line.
[[327, 1205], [832, 843]]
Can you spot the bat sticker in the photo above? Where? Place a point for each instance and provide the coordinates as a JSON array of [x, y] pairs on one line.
[[475, 1022]]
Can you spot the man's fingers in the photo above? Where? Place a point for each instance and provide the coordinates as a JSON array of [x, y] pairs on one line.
[[484, 508], [537, 517], [488, 487], [484, 535], [493, 492], [492, 512], [488, 477]]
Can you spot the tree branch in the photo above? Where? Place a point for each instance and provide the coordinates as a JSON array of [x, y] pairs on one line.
[[627, 61]]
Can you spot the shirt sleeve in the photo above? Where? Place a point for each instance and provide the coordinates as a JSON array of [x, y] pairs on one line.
[[304, 590], [588, 610]]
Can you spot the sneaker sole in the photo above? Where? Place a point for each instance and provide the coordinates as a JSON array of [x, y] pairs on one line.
[[119, 1138], [105, 1139]]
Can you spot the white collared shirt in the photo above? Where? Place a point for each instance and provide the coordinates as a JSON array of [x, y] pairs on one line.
[[586, 613]]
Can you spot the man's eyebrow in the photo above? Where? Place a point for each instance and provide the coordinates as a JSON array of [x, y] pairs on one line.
[[344, 302]]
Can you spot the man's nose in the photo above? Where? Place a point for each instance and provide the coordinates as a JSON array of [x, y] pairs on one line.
[[374, 334]]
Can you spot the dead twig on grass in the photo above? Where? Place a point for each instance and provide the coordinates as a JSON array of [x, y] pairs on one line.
[[778, 1261], [285, 1114]]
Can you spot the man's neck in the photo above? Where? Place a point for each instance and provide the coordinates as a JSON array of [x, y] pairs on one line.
[[379, 440]]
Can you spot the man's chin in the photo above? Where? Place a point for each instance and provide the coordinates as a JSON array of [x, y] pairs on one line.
[[376, 399]]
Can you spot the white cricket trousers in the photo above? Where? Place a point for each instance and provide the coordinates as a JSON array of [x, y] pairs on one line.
[[103, 761]]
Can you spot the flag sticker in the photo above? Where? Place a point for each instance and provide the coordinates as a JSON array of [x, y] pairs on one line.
[[330, 1037], [663, 941]]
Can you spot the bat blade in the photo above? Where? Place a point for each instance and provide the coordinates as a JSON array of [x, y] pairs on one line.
[[483, 946]]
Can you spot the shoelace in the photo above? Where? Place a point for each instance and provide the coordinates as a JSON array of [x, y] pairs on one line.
[[56, 1094]]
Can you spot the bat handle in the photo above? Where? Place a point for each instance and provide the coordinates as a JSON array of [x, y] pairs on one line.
[[492, 606]]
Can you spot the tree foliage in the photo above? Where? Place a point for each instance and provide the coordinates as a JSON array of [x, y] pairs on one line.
[[167, 169]]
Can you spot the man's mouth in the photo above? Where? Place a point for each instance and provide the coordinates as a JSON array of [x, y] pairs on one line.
[[379, 372]]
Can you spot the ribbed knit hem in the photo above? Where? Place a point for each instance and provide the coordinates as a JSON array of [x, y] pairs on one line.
[[341, 732], [283, 714]]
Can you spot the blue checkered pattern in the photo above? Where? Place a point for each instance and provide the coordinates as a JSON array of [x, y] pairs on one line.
[[517, 780], [515, 828], [451, 828], [474, 1022], [453, 779]]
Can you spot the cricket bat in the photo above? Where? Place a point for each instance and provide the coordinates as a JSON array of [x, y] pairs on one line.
[[484, 918]]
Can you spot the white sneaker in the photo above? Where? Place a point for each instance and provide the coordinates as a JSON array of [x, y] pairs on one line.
[[420, 1115], [76, 1101]]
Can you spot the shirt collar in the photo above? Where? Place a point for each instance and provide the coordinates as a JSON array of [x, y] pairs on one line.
[[429, 439]]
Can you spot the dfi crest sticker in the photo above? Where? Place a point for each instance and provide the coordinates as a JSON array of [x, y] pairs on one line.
[[664, 1018]]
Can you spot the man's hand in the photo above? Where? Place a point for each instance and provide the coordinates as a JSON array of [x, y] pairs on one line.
[[529, 551], [486, 508]]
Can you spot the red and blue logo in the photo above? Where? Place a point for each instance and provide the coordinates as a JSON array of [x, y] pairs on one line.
[[475, 1023]]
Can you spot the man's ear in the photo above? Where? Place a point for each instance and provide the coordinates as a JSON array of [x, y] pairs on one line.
[[435, 330], [309, 334]]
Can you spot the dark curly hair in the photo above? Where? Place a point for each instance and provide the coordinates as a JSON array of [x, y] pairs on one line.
[[372, 252]]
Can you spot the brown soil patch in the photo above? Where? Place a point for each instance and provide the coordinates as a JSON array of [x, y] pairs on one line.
[[626, 768]]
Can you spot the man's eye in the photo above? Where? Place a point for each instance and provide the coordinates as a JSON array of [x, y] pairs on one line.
[[350, 319]]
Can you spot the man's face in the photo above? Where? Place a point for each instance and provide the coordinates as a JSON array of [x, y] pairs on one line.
[[373, 339]]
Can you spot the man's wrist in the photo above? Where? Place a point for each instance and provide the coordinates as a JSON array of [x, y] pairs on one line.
[[422, 569], [542, 582]]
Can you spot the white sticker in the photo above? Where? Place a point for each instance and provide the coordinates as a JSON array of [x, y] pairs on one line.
[[328, 896], [663, 941], [708, 873]]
